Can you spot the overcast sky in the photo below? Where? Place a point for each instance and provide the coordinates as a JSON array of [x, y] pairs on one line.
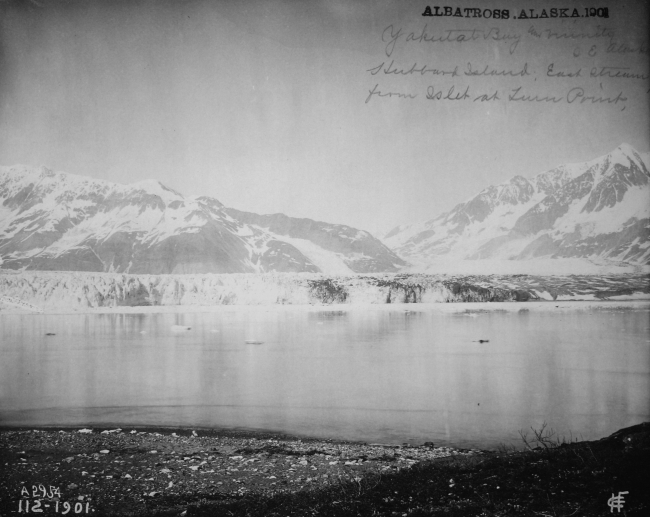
[[263, 104]]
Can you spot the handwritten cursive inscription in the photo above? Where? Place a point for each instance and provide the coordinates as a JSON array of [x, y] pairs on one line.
[[576, 95], [598, 32], [565, 64], [378, 93], [551, 72], [451, 94], [617, 72], [414, 69], [492, 71], [392, 36]]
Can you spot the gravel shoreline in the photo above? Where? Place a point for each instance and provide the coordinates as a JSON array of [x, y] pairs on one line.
[[153, 471], [135, 471]]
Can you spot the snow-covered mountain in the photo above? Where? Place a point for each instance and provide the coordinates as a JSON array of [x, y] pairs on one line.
[[597, 211], [57, 221]]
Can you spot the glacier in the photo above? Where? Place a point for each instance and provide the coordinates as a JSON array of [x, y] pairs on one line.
[[63, 291]]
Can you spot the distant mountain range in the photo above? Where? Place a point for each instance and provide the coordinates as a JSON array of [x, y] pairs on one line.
[[598, 210], [56, 221]]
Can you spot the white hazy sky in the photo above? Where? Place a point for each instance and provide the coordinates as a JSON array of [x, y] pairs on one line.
[[261, 104]]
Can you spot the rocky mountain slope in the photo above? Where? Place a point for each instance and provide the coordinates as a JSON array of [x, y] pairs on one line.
[[56, 221], [599, 210]]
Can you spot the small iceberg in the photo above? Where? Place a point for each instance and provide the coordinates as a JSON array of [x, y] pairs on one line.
[[253, 342], [177, 328]]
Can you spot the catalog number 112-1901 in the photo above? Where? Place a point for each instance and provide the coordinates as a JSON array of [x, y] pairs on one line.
[[39, 506]]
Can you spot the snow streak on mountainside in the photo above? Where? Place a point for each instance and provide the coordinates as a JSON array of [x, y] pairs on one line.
[[599, 210], [58, 221]]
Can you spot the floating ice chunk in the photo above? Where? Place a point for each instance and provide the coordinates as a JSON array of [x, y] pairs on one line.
[[179, 328]]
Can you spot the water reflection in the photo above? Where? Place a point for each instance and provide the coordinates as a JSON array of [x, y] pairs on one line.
[[375, 376]]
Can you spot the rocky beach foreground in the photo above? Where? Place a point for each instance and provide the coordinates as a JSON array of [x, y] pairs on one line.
[[207, 472]]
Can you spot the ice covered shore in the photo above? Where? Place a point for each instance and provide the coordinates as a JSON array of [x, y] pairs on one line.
[[77, 290]]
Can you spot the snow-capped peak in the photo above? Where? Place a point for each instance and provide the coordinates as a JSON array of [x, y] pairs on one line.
[[53, 220], [598, 209]]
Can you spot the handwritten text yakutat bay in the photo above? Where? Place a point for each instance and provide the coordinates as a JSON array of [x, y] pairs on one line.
[[583, 67]]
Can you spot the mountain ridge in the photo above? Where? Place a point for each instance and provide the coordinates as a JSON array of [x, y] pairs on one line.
[[595, 210], [59, 221]]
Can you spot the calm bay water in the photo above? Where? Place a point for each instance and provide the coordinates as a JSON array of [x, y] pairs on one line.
[[375, 376]]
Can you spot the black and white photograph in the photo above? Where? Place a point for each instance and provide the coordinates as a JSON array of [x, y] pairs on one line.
[[324, 258]]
